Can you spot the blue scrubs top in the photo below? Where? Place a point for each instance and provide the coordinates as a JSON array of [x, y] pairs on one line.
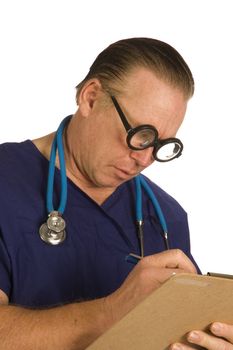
[[90, 263]]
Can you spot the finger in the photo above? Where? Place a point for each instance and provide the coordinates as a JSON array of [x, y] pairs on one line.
[[208, 341], [173, 258], [178, 346], [222, 330]]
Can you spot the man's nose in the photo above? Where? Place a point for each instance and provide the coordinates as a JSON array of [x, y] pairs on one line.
[[143, 157]]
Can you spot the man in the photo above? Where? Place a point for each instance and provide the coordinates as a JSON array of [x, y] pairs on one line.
[[64, 296]]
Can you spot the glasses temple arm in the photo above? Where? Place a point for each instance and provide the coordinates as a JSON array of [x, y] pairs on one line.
[[121, 114]]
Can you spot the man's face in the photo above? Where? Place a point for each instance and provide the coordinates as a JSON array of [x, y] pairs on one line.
[[105, 160]]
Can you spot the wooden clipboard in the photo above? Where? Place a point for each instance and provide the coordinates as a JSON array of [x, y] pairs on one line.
[[185, 302]]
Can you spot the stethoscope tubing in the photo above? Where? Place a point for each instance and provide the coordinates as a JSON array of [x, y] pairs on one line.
[[57, 145]]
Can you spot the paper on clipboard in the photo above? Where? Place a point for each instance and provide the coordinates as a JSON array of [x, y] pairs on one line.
[[185, 302]]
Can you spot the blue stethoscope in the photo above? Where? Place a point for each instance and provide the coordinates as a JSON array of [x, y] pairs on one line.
[[53, 230]]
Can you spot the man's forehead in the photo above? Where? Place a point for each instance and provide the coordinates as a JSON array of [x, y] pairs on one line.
[[140, 73], [142, 85], [141, 80]]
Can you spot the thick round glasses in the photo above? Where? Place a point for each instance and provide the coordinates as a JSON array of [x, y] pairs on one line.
[[145, 136]]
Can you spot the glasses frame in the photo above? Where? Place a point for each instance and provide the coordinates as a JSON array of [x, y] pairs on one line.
[[157, 143]]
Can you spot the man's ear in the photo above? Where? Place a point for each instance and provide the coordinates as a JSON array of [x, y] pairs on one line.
[[88, 95]]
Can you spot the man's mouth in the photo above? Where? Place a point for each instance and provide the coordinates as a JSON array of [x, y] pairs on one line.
[[125, 173]]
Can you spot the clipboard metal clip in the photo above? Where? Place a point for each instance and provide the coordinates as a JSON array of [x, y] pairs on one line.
[[221, 275]]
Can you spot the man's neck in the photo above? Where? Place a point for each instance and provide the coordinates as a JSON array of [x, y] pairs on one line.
[[98, 194]]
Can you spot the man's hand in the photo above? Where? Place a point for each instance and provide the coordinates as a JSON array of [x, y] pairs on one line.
[[212, 341], [148, 275]]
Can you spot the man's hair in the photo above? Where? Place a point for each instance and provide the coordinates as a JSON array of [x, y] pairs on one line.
[[112, 64]]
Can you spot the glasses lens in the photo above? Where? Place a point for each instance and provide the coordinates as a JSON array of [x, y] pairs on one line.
[[168, 151], [143, 138]]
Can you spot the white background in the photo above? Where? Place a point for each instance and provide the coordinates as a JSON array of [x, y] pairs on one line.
[[47, 48]]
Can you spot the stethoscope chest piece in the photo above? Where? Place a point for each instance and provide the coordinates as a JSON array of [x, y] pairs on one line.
[[53, 230], [55, 222]]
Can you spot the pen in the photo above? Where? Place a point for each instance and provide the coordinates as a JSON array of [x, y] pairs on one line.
[[133, 258]]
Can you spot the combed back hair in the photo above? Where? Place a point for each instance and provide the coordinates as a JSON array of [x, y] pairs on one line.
[[113, 63]]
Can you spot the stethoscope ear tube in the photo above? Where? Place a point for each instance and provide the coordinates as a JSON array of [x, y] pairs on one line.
[[141, 182], [139, 217], [154, 202], [138, 198]]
